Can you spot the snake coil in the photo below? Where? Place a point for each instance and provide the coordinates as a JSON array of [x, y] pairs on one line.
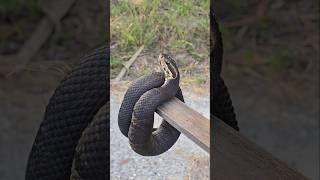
[[136, 114], [71, 142]]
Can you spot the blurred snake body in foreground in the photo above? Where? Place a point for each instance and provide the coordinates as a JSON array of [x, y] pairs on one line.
[[72, 141], [221, 104]]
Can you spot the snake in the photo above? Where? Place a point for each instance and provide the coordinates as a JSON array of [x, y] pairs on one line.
[[221, 103], [136, 113], [72, 140]]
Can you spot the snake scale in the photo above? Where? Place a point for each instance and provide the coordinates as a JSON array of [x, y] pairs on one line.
[[72, 141]]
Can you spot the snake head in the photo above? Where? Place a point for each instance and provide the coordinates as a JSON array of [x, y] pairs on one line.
[[168, 65]]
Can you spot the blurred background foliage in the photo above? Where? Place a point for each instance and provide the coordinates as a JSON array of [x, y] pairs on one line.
[[20, 18], [24, 95], [271, 67], [273, 36], [16, 7]]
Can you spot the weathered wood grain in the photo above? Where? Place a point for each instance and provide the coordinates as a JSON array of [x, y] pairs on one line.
[[233, 157], [187, 121]]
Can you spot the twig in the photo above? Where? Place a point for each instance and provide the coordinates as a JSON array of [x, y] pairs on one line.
[[44, 29], [128, 64]]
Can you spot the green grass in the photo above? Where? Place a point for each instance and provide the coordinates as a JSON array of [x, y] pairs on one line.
[[283, 59], [18, 16], [249, 56], [9, 6], [182, 26], [115, 61], [200, 80], [265, 37]]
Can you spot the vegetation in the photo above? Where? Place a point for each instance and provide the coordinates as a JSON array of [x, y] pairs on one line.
[[15, 7], [270, 36], [182, 27], [277, 36]]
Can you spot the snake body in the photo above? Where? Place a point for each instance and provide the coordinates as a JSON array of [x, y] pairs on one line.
[[221, 104], [136, 114], [71, 142]]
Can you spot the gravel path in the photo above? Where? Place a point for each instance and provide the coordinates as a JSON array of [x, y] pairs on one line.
[[185, 160]]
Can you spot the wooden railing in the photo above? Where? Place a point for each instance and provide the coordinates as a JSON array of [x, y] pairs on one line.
[[233, 157]]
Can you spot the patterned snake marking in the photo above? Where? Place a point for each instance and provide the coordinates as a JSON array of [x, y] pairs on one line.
[[72, 141], [136, 114]]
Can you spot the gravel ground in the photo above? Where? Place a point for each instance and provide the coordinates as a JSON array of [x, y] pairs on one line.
[[185, 160]]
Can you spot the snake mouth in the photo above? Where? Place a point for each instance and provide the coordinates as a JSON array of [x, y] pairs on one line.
[[173, 72], [168, 66]]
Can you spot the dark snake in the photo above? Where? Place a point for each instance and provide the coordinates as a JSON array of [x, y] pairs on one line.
[[72, 141], [136, 114], [221, 104]]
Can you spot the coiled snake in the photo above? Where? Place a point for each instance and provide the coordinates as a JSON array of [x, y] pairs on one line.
[[72, 141], [136, 114]]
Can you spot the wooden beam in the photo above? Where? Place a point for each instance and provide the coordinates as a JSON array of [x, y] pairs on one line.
[[236, 158], [233, 156], [187, 121]]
